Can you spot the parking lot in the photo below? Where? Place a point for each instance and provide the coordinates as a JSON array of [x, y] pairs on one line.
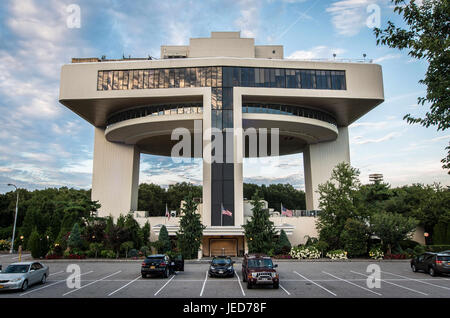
[[297, 279]]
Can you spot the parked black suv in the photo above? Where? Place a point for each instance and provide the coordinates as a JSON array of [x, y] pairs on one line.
[[160, 264], [432, 263], [259, 270], [221, 266]]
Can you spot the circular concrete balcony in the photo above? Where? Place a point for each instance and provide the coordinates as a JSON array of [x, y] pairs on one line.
[[150, 127]]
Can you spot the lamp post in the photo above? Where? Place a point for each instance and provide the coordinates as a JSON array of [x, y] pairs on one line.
[[15, 218]]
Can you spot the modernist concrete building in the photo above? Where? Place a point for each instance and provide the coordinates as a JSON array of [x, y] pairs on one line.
[[224, 81]]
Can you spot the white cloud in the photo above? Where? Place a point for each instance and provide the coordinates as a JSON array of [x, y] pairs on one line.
[[387, 57], [349, 16], [248, 21], [316, 52], [360, 141]]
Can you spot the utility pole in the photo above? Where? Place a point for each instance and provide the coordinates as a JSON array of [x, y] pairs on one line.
[[15, 218]]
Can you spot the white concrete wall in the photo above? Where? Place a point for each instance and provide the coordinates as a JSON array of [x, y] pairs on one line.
[[115, 176], [319, 160]]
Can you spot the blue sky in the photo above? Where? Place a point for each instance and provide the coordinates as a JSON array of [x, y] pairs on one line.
[[43, 144]]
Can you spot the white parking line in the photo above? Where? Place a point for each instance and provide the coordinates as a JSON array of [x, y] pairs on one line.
[[344, 280], [60, 281], [124, 286], [417, 280], [240, 285], [285, 290], [204, 283], [164, 285], [320, 286], [404, 287], [56, 273], [23, 256], [98, 280]]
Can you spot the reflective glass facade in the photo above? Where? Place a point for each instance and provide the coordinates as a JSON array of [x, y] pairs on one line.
[[218, 76]]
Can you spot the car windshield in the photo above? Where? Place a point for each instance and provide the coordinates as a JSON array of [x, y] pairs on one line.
[[260, 263], [16, 269], [157, 259], [221, 261]]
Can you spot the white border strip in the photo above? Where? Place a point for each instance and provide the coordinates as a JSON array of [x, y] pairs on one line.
[[344, 280], [112, 293], [320, 286], [95, 281], [404, 287]]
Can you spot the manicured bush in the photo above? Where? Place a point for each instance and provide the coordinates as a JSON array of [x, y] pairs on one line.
[[164, 240], [108, 254], [283, 246], [5, 245], [419, 249], [304, 252], [144, 250], [34, 244], [405, 244], [95, 249], [322, 246], [133, 253], [75, 240], [354, 238], [376, 253], [337, 254]]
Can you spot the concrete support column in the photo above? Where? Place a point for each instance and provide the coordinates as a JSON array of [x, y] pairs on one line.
[[115, 176], [206, 213], [238, 158], [319, 161]]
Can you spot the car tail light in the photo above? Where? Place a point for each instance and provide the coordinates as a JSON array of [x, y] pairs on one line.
[[438, 262], [162, 264], [143, 264]]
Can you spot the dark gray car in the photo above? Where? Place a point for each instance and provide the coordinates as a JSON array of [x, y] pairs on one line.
[[22, 275], [431, 263]]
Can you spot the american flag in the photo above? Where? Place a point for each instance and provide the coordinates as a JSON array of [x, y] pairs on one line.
[[167, 213], [285, 211], [226, 212]]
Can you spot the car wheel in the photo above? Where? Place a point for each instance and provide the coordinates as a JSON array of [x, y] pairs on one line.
[[166, 273], [276, 285], [144, 275], [244, 278], [44, 279], [432, 272], [414, 269], [24, 285]]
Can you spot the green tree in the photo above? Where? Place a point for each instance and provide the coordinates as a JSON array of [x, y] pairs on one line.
[[95, 248], [283, 246], [354, 237], [126, 246], [190, 234], [392, 228], [259, 230], [164, 239], [146, 233], [338, 201], [34, 244], [75, 240], [426, 36], [440, 234]]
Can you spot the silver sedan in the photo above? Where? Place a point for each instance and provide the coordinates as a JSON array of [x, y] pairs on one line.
[[22, 275]]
